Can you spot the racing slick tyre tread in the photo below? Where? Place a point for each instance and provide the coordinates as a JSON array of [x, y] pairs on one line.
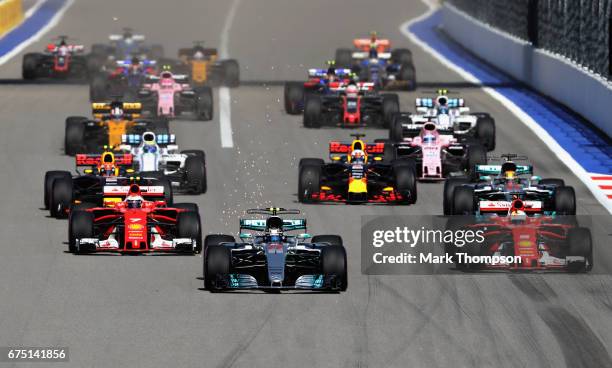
[[565, 201], [396, 131], [477, 155], [344, 58], [311, 161], [463, 201], [552, 181], [191, 207], [204, 104], [313, 108], [330, 239], [406, 179], [168, 193], [61, 197], [50, 177], [198, 153], [217, 262], [485, 131], [333, 265], [449, 189], [188, 226], [195, 174], [73, 135], [231, 73], [293, 97], [390, 107], [217, 239], [401, 56], [81, 225], [29, 66], [580, 245], [408, 74], [309, 182]]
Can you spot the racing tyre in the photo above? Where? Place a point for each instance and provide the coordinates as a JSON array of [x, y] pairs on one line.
[[61, 197], [333, 267], [389, 152], [217, 239], [390, 107], [406, 180], [449, 189], [309, 182], [344, 58], [168, 194], [477, 155], [580, 245], [81, 225], [463, 201], [197, 153], [217, 263], [311, 161], [313, 112], [396, 131], [195, 174], [552, 182], [97, 87], [329, 239], [50, 177], [294, 97], [188, 226], [401, 56], [231, 73], [29, 66], [204, 104], [565, 201], [73, 135], [191, 207], [408, 74], [485, 131]]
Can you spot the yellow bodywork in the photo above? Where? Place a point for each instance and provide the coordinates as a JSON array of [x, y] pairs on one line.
[[116, 128], [199, 71], [358, 185]]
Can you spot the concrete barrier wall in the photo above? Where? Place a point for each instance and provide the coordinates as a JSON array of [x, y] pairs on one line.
[[552, 75], [11, 14]]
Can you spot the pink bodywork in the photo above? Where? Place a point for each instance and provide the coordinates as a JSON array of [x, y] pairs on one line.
[[166, 88], [432, 143]]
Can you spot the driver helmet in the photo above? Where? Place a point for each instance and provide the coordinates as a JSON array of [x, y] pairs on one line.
[[149, 144], [198, 55], [134, 201], [508, 170], [352, 91], [274, 228], [429, 138], [107, 165], [358, 156], [331, 74], [116, 112]]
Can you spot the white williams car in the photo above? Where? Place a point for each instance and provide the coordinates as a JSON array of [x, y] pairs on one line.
[[159, 156]]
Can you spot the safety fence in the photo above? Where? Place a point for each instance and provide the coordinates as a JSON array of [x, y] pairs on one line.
[[577, 29]]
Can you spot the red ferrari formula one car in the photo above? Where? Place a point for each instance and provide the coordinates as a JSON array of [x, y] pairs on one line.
[[518, 242], [135, 225]]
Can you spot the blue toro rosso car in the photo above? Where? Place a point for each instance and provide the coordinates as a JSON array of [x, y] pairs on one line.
[[320, 81], [493, 189], [267, 258]]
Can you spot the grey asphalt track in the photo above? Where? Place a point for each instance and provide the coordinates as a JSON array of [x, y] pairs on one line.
[[149, 311]]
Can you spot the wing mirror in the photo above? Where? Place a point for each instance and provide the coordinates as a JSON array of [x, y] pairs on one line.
[[485, 178], [88, 171], [304, 236], [535, 178], [245, 236], [129, 171]]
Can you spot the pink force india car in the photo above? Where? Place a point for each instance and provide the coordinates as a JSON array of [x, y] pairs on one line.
[[438, 156], [170, 95]]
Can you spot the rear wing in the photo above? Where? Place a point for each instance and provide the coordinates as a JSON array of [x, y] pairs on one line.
[[362, 86], [147, 191], [118, 37], [126, 63], [92, 159], [322, 73], [496, 169], [188, 52], [338, 151], [365, 55], [431, 102], [364, 44], [260, 224], [131, 109], [160, 139]]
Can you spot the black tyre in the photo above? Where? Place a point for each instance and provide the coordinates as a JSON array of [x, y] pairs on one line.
[[191, 207], [168, 193], [294, 97], [61, 197], [231, 73], [334, 268], [188, 226], [74, 135], [406, 180], [407, 74], [217, 264], [82, 206], [463, 201], [204, 104], [309, 182], [329, 239], [565, 201], [552, 182], [217, 239], [390, 151], [195, 174], [344, 58], [81, 225], [29, 66], [477, 155], [390, 107], [449, 189], [50, 177], [197, 153], [396, 131], [311, 161], [401, 56], [313, 109], [580, 245], [485, 131], [98, 87]]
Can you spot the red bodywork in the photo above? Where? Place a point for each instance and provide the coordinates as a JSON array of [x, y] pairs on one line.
[[62, 56]]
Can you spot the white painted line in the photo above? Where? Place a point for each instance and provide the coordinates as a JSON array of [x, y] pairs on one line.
[[41, 32], [33, 8], [225, 98], [550, 142]]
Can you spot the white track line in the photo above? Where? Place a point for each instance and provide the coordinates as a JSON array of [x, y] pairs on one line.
[[52, 23], [550, 142], [225, 98]]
